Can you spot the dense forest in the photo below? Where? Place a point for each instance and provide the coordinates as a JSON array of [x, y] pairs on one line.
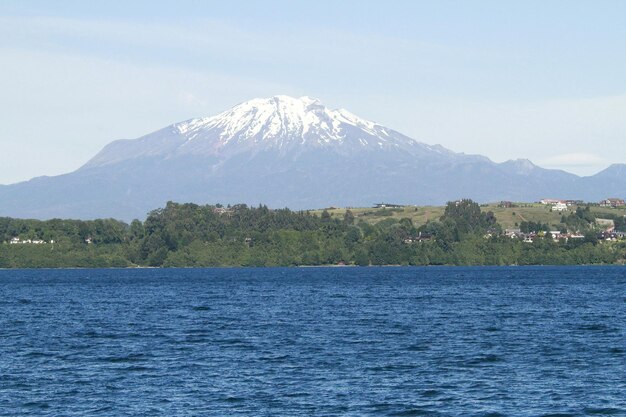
[[190, 235]]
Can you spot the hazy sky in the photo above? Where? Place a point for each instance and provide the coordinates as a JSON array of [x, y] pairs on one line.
[[543, 80]]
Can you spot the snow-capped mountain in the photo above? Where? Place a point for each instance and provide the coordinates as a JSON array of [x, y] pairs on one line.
[[286, 152], [281, 123]]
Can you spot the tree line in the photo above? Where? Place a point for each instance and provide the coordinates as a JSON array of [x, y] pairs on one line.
[[191, 235]]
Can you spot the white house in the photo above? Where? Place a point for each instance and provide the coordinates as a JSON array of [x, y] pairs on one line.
[[555, 234], [18, 241], [560, 206], [548, 201]]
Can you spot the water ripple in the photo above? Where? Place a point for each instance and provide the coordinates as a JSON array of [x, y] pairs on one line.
[[488, 342]]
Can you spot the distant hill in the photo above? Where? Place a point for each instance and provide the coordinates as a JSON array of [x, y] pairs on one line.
[[284, 151], [508, 217]]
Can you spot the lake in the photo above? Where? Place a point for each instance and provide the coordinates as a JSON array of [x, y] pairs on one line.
[[479, 341]]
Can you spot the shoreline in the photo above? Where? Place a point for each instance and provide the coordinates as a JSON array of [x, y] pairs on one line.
[[617, 265]]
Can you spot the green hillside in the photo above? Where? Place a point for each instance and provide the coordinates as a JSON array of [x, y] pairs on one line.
[[508, 217]]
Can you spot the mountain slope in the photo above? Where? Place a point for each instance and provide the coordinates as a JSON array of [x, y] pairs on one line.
[[285, 151]]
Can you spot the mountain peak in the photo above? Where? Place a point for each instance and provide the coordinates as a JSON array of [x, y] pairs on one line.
[[281, 123], [280, 115], [612, 170], [520, 166]]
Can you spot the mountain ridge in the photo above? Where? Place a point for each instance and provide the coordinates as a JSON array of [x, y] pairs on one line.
[[284, 151]]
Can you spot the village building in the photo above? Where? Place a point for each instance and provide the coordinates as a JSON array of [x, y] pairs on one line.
[[221, 210], [512, 233], [17, 241], [570, 203], [549, 201], [556, 234], [387, 205], [420, 237], [612, 202], [608, 235]]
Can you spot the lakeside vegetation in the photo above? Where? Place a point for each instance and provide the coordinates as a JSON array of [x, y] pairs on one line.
[[190, 235]]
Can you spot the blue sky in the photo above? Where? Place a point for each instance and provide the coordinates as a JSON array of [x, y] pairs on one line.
[[542, 80]]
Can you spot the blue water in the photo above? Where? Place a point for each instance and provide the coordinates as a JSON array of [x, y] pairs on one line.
[[532, 341]]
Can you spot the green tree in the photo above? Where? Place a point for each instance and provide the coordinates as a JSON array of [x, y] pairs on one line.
[[348, 218]]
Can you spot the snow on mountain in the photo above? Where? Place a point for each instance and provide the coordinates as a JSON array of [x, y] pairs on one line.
[[281, 119], [281, 123]]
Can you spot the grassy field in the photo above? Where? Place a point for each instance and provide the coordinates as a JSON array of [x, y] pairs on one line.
[[507, 217]]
